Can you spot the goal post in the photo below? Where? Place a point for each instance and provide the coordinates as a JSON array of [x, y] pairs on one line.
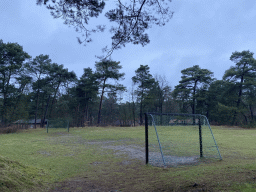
[[173, 139], [57, 124]]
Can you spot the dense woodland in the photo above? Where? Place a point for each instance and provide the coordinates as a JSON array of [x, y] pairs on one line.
[[37, 88]]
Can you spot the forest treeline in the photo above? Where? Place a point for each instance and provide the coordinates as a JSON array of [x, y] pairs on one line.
[[37, 88]]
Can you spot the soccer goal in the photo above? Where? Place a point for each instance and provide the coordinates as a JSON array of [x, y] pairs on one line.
[[57, 124], [178, 139]]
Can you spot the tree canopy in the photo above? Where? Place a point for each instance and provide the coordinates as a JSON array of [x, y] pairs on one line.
[[242, 76], [12, 58], [192, 79], [145, 81], [37, 89], [106, 70], [133, 18]]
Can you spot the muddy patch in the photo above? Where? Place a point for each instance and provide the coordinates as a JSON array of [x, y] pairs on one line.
[[122, 150], [132, 151], [44, 153], [155, 158]]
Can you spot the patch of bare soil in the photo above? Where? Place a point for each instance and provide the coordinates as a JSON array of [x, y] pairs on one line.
[[132, 151], [108, 181], [123, 176], [80, 184], [112, 183]]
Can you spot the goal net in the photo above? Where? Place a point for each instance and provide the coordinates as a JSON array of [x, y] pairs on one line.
[[178, 139], [57, 124]]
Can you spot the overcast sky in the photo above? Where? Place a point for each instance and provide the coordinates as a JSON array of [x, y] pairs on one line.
[[201, 32]]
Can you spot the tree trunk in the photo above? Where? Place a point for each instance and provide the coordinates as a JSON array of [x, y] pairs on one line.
[[133, 113], [56, 90], [37, 103], [133, 108], [77, 115], [239, 100], [101, 98], [85, 115], [18, 100], [5, 92], [4, 111], [251, 111], [141, 112], [42, 114], [45, 113], [245, 118]]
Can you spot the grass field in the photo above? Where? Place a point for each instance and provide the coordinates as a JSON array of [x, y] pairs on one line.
[[112, 158]]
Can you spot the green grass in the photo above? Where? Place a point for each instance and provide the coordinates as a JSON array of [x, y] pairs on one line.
[[34, 160], [183, 141]]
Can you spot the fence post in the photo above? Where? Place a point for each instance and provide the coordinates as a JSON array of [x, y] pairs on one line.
[[200, 138], [146, 137]]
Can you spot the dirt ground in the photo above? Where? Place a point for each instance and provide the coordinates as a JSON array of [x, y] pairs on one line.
[[108, 182], [85, 184], [81, 184]]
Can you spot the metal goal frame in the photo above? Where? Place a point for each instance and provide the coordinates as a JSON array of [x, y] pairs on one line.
[[176, 114]]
